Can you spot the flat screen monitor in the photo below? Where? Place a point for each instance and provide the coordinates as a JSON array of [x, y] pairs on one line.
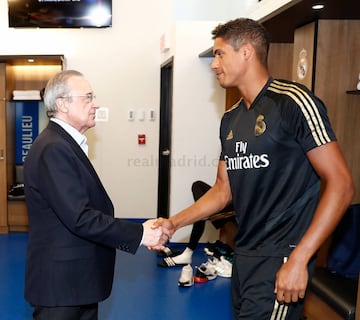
[[60, 13]]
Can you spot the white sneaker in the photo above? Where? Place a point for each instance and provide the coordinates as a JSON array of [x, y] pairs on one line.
[[222, 266], [227, 267], [186, 277], [205, 272]]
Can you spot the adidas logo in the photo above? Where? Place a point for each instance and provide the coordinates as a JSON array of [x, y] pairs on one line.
[[230, 135]]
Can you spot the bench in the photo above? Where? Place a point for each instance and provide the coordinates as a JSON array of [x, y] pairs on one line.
[[334, 289], [338, 292]]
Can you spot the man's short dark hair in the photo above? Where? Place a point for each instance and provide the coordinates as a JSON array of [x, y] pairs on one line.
[[243, 30]]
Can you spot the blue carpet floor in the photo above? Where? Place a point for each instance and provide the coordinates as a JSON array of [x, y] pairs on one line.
[[141, 290]]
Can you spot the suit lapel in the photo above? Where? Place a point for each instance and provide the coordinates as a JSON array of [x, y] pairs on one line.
[[78, 151]]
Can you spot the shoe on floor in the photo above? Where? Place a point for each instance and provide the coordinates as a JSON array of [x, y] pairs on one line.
[[168, 252], [218, 249], [205, 272], [222, 266], [169, 262], [186, 277], [199, 277]]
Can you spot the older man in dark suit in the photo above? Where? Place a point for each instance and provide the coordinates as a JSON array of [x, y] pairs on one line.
[[73, 233]]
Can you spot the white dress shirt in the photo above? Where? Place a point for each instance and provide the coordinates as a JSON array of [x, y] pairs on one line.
[[76, 135]]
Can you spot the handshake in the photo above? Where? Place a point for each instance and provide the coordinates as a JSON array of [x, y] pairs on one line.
[[157, 232]]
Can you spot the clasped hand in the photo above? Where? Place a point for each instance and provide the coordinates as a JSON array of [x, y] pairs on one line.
[[156, 233]]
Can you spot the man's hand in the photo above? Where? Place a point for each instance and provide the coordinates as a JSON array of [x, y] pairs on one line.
[[167, 229], [154, 236], [291, 282], [166, 225]]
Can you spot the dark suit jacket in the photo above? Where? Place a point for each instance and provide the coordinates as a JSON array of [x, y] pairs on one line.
[[72, 230]]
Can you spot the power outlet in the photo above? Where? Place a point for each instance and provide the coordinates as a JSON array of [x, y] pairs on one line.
[[102, 114]]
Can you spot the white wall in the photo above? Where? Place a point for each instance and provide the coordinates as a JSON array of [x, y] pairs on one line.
[[198, 105], [211, 10], [268, 8]]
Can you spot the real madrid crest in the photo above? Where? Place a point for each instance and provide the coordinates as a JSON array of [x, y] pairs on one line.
[[260, 125], [302, 65]]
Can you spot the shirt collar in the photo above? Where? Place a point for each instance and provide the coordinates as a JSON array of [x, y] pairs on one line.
[[75, 134]]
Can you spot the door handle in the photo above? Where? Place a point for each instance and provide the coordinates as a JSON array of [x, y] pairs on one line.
[[165, 152], [2, 157]]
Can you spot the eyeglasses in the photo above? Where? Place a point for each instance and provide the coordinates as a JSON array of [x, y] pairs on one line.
[[89, 97]]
